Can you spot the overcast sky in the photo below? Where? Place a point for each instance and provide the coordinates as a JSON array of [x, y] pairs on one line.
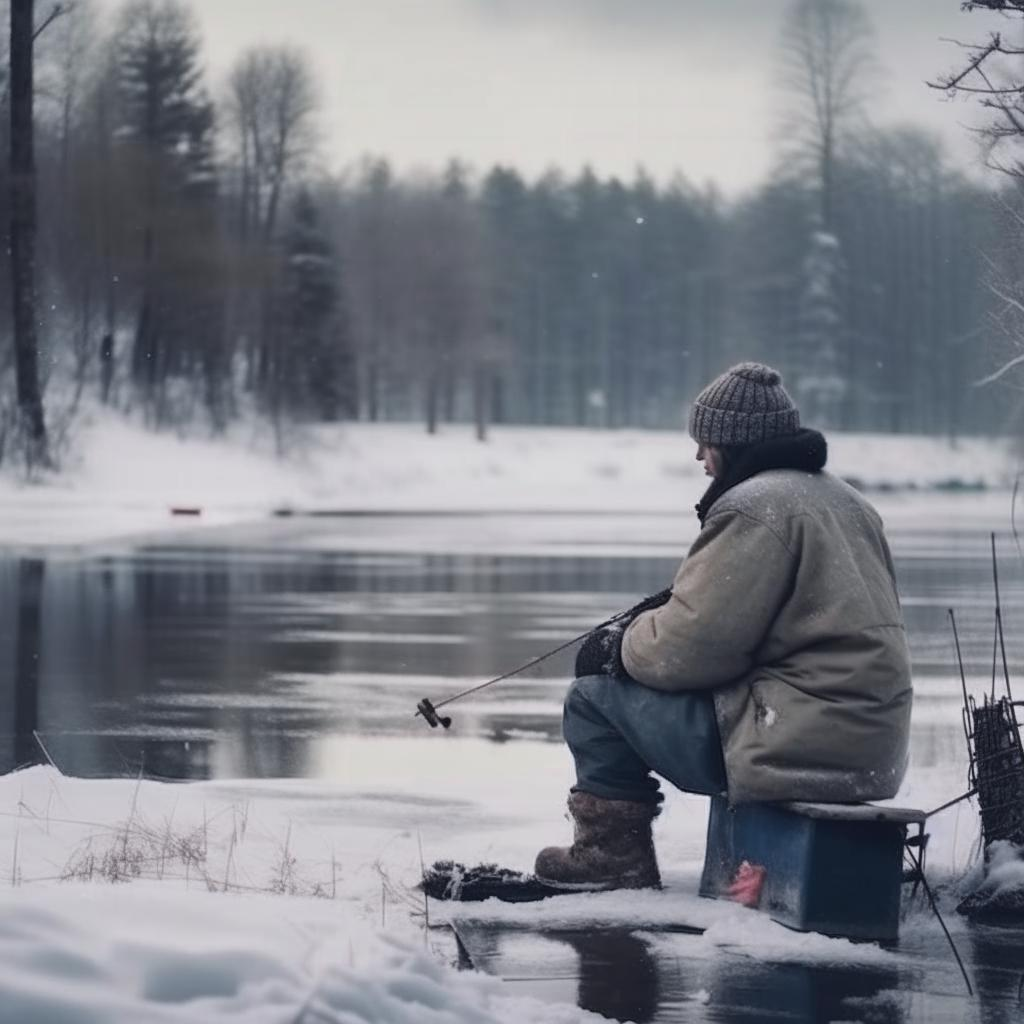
[[686, 85]]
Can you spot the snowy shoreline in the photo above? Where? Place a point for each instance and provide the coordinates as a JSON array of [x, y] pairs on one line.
[[122, 480]]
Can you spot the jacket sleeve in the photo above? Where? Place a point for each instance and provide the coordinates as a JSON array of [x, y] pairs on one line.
[[725, 598]]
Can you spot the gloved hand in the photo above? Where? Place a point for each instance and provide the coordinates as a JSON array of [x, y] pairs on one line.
[[601, 653]]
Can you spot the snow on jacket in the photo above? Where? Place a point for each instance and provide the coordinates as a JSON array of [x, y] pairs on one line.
[[786, 606]]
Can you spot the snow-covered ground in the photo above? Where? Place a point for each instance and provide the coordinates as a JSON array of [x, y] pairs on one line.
[[136, 901], [293, 901], [121, 479]]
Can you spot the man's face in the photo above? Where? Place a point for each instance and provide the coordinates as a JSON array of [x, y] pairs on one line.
[[712, 459]]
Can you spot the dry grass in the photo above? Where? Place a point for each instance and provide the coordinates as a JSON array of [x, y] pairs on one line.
[[136, 849]]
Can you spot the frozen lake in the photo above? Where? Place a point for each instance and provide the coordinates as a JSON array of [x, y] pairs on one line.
[[298, 648]]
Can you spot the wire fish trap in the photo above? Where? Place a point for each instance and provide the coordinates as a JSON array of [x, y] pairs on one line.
[[997, 768], [996, 776]]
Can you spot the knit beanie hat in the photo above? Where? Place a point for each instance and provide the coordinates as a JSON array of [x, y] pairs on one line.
[[744, 405]]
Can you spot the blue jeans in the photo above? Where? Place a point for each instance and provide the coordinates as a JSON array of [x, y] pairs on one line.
[[619, 732]]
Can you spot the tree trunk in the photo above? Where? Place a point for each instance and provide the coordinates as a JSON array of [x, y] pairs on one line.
[[448, 390], [827, 181], [481, 393], [275, 198], [144, 354], [431, 400], [373, 389], [23, 235], [246, 185], [106, 366]]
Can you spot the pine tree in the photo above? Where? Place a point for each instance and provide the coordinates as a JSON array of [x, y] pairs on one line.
[[166, 133], [314, 371], [164, 108]]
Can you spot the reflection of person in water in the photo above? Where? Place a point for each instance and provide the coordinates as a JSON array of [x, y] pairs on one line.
[[775, 668], [618, 976], [622, 978]]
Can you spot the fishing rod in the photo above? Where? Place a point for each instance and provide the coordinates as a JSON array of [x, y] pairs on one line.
[[429, 709]]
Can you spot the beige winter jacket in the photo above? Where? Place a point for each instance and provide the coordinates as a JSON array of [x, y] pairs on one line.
[[786, 606]]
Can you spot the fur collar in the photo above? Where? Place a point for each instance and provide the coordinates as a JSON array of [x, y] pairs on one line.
[[806, 450]]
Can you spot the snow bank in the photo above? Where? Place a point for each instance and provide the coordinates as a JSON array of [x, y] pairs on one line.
[[996, 886], [1005, 867], [233, 910], [58, 966], [123, 479]]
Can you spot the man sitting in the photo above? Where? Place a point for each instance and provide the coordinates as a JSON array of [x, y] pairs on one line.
[[775, 668]]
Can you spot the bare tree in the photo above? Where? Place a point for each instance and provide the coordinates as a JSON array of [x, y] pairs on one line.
[[5, 78], [63, 65], [827, 67], [165, 133], [66, 64], [1005, 282], [992, 75], [373, 243], [95, 243], [826, 70], [271, 105], [269, 111], [31, 417], [6, 352]]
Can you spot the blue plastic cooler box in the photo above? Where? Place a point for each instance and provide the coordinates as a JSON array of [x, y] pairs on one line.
[[830, 868]]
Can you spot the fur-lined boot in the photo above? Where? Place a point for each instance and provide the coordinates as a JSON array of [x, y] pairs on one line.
[[613, 847]]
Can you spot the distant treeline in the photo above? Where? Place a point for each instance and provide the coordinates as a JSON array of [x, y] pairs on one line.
[[194, 261]]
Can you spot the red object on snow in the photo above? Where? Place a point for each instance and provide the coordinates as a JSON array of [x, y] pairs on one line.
[[746, 886]]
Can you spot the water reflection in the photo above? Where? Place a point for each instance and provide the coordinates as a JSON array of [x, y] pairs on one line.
[[619, 977], [624, 975], [748, 992], [148, 660], [187, 662], [27, 646], [998, 972]]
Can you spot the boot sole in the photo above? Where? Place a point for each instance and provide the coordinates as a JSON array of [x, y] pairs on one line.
[[592, 886]]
